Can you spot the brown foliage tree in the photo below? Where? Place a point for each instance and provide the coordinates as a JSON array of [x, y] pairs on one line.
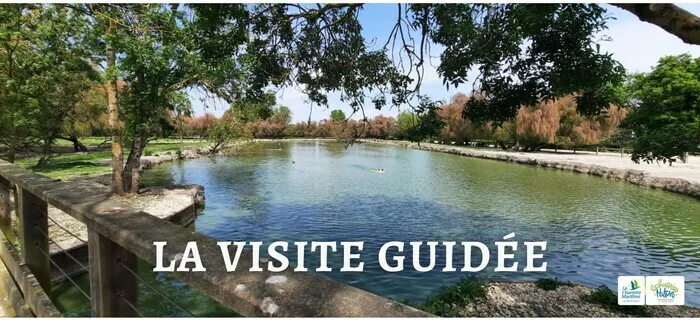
[[538, 125], [381, 127], [457, 128]]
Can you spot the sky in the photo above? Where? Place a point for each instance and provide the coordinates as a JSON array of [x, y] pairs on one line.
[[635, 44]]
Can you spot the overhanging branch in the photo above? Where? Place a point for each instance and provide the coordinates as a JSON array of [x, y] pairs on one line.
[[673, 19]]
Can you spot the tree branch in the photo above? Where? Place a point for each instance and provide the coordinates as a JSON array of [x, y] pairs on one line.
[[673, 19]]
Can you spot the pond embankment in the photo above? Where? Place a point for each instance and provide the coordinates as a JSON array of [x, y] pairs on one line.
[[682, 178], [526, 299]]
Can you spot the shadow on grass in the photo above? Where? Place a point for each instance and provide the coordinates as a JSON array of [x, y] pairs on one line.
[[65, 165]]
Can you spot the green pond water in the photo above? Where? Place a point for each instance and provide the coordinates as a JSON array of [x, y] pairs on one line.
[[596, 229]]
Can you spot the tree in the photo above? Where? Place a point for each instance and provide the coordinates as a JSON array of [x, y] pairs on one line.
[[158, 50], [524, 53], [338, 115], [505, 134], [405, 121], [19, 61], [282, 115], [181, 106], [423, 124], [41, 79], [382, 127], [261, 109], [224, 130], [98, 34], [666, 104], [536, 126], [199, 126], [68, 81], [88, 117], [457, 128]]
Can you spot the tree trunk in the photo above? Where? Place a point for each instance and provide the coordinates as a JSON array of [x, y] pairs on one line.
[[77, 145], [11, 151], [45, 152], [132, 173], [115, 126]]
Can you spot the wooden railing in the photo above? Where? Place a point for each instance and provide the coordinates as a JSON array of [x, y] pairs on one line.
[[118, 235]]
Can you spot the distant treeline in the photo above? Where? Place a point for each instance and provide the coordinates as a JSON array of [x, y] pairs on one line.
[[553, 123]]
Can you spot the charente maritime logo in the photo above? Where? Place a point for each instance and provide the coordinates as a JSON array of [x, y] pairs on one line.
[[651, 290], [630, 290]]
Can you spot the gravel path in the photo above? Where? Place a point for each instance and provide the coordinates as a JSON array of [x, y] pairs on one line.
[[689, 171], [160, 202]]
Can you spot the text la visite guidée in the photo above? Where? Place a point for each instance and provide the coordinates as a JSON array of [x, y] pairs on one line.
[[190, 260]]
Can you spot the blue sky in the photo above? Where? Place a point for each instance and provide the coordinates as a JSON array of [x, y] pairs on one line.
[[637, 45]]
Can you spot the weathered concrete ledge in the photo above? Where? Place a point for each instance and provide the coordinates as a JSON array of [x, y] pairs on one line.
[[177, 204], [638, 177]]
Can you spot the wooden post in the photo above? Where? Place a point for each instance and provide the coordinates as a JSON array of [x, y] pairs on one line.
[[33, 228], [5, 211], [110, 282]]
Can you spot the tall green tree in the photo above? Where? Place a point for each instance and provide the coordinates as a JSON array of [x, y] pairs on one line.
[[154, 50], [405, 121], [19, 61], [260, 109], [181, 106], [666, 110], [41, 77], [283, 115], [337, 115]]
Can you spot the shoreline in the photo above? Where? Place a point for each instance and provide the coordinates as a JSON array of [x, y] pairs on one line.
[[640, 177], [503, 298]]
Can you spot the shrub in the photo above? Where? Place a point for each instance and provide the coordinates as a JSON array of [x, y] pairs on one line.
[[608, 299], [460, 294], [551, 284]]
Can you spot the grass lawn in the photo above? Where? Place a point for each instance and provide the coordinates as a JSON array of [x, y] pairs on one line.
[[70, 165]]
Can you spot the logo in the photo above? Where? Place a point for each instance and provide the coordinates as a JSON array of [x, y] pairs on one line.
[[634, 285], [629, 292], [665, 290]]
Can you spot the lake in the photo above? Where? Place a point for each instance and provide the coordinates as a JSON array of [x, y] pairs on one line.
[[596, 229]]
